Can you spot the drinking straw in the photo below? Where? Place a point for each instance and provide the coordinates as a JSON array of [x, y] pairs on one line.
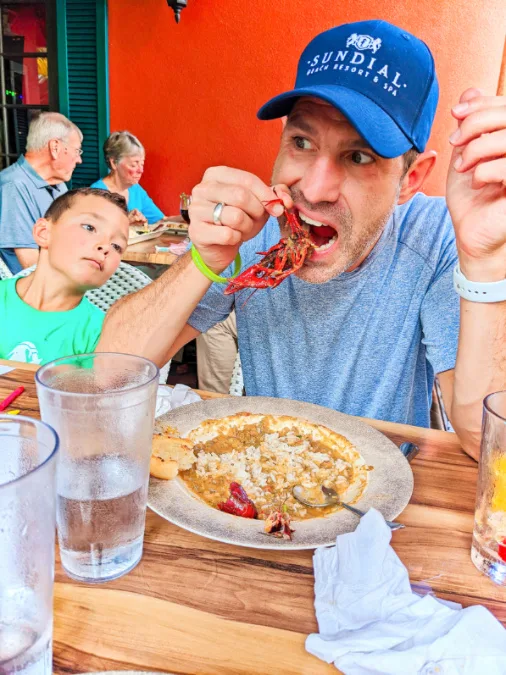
[[10, 398]]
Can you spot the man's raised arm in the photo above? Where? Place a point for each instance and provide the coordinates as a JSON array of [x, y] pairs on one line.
[[476, 197], [153, 321]]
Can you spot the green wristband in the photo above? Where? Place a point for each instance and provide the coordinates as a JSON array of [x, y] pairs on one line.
[[202, 267]]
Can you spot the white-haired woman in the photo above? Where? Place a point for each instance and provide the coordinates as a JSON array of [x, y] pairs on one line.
[[124, 155]]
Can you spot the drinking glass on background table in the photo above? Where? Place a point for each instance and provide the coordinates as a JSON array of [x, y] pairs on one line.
[[103, 407], [184, 205], [28, 450], [489, 537]]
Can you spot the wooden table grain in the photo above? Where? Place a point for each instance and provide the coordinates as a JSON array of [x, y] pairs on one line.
[[197, 606], [145, 251]]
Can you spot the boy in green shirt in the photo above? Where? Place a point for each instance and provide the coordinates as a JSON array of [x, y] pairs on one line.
[[45, 315]]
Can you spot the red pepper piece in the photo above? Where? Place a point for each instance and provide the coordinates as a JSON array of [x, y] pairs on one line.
[[501, 549], [239, 504]]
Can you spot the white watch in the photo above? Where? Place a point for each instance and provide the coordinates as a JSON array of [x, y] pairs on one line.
[[478, 291]]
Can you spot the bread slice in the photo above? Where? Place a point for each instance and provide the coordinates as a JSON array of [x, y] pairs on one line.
[[169, 456]]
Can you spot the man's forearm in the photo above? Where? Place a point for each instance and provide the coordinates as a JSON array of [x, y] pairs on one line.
[[148, 322], [480, 367]]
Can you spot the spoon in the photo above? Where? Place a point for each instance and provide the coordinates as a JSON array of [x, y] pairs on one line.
[[332, 499], [409, 450]]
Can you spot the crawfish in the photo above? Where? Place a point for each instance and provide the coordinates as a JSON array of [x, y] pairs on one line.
[[278, 525], [281, 260], [238, 503]]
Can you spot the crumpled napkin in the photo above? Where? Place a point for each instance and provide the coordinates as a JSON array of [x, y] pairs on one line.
[[169, 399], [371, 622]]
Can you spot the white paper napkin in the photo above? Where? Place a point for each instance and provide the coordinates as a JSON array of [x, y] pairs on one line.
[[371, 622], [169, 399], [5, 369]]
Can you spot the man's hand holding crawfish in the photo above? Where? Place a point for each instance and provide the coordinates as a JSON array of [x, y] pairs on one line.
[[476, 188], [245, 211]]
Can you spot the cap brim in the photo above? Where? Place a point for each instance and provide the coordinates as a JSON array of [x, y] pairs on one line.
[[371, 121]]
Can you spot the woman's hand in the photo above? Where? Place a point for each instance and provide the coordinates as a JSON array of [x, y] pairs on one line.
[[135, 217]]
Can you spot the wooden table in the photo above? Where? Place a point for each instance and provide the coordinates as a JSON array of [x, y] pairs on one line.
[[145, 252], [197, 606]]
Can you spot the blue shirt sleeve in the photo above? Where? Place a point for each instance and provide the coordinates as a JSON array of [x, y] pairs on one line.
[[147, 207], [440, 310], [18, 213], [214, 307]]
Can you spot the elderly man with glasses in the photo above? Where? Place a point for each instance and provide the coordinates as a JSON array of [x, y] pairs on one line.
[[28, 187]]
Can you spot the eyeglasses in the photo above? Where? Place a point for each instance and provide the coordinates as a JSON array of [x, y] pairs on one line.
[[77, 151]]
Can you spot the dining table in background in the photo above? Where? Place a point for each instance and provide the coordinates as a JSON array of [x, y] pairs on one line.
[[144, 252], [194, 605]]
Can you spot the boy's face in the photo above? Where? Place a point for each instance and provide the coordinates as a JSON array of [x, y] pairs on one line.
[[87, 242]]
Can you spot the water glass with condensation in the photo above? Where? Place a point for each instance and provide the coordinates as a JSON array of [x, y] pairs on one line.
[[28, 451], [489, 537], [102, 407]]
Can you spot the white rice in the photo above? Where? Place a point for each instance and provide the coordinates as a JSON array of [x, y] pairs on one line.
[[278, 465]]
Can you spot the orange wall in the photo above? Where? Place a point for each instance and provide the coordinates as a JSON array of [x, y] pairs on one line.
[[191, 91]]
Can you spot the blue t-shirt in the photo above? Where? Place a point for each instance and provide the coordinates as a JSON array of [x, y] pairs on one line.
[[24, 198], [138, 198], [368, 342]]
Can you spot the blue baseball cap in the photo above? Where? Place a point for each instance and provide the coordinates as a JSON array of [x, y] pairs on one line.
[[377, 75]]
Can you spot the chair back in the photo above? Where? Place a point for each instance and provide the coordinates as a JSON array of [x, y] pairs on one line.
[[125, 280], [236, 381], [5, 272]]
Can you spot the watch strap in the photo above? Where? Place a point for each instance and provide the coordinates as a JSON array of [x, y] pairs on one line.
[[478, 291]]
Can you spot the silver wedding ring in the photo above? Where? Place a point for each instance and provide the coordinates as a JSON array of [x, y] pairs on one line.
[[217, 213]]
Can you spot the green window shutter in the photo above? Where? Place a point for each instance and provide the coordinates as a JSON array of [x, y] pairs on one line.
[[83, 79]]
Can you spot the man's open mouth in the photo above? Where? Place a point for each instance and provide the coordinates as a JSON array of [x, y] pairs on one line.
[[322, 236]]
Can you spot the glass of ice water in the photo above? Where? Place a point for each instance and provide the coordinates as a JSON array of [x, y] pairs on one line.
[[28, 450], [489, 537], [102, 407]]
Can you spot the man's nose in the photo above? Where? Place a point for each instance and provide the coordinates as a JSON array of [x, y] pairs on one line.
[[79, 159], [322, 181]]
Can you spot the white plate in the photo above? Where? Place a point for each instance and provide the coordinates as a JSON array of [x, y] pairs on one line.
[[389, 489]]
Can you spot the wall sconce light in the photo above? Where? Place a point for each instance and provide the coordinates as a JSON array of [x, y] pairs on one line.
[[177, 6]]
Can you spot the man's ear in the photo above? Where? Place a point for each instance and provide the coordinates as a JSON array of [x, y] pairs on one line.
[[53, 146], [42, 232], [283, 122], [416, 175]]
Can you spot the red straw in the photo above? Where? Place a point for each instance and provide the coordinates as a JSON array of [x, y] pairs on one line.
[[10, 398]]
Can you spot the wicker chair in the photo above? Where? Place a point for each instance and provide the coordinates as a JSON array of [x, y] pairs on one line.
[[125, 280], [5, 272], [236, 381]]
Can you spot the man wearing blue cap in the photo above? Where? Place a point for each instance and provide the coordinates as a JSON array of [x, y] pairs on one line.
[[372, 316]]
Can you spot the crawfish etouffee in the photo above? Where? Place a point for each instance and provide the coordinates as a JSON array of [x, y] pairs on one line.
[[267, 455]]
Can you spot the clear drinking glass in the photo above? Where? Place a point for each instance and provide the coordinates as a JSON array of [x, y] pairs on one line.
[[184, 204], [28, 450], [102, 407], [489, 537]]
